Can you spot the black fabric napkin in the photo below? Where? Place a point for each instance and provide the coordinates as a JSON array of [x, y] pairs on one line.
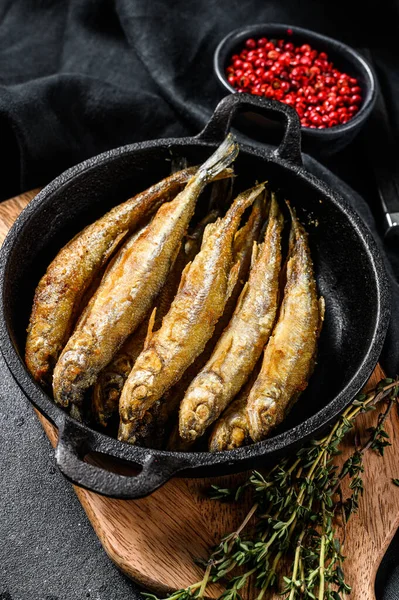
[[82, 76]]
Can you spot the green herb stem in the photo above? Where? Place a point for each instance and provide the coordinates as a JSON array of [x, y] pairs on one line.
[[204, 582], [296, 562], [294, 511]]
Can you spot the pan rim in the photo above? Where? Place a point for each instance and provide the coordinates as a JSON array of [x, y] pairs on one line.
[[272, 446]]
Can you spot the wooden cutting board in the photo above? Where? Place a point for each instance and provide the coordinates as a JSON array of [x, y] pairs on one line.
[[155, 540]]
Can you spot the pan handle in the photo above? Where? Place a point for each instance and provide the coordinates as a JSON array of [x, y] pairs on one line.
[[74, 442], [219, 124]]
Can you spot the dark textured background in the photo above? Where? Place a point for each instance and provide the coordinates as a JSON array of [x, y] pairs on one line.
[[48, 549], [81, 76]]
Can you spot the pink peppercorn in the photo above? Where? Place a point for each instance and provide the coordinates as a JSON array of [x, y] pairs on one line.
[[300, 76]]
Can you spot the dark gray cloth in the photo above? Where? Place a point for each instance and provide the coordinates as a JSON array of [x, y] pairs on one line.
[[79, 77], [82, 76], [48, 549]]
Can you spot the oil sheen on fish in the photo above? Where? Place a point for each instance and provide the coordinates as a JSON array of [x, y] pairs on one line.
[[242, 253], [59, 292], [243, 340], [231, 430], [156, 422], [108, 387], [130, 286], [290, 354], [190, 322]]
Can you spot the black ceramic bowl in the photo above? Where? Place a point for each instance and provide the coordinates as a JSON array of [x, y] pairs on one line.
[[349, 270], [318, 141]]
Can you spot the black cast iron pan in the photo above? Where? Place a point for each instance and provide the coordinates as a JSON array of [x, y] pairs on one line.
[[349, 269]]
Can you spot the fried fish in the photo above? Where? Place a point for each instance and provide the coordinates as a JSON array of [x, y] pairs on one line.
[[231, 430], [108, 387], [60, 291], [243, 245], [290, 354], [129, 287], [203, 292], [243, 340]]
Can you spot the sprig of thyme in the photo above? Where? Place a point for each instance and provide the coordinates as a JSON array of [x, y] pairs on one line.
[[293, 517]]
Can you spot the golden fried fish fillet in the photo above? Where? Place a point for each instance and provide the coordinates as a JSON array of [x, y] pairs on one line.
[[199, 303], [243, 340], [290, 354], [129, 287], [58, 295]]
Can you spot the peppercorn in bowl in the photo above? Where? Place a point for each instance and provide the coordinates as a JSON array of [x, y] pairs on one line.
[[330, 85]]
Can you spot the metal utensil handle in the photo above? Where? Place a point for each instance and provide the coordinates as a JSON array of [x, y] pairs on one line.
[[219, 124], [73, 444]]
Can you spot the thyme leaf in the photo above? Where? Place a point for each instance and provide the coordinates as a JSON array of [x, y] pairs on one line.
[[294, 516]]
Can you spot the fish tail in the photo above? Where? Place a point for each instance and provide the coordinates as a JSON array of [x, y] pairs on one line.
[[260, 207], [298, 242], [249, 232], [241, 203], [220, 159], [274, 208], [297, 229]]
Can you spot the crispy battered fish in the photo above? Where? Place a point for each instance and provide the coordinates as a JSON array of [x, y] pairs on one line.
[[130, 286], [231, 430], [243, 340], [199, 303], [108, 387], [290, 354], [59, 292]]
